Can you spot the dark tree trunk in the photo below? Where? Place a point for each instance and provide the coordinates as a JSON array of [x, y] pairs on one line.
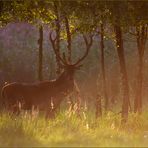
[[68, 39], [138, 98], [1, 7], [40, 42], [58, 27], [68, 34], [76, 88], [141, 41], [98, 107], [124, 77], [103, 67]]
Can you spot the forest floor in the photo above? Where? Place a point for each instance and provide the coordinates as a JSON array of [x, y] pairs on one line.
[[68, 130]]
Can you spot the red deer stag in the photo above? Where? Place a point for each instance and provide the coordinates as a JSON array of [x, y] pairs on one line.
[[42, 93]]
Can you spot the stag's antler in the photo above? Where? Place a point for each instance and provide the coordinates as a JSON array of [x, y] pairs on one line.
[[53, 41], [88, 43]]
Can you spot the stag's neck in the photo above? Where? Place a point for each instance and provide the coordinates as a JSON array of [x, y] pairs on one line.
[[63, 79]]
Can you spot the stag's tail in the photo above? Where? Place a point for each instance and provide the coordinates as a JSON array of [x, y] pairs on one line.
[[3, 96], [3, 93]]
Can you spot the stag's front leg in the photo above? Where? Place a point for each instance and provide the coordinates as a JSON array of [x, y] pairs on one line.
[[78, 96], [70, 102], [75, 94]]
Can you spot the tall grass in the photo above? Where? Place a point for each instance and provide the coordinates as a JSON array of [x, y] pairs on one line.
[[69, 130]]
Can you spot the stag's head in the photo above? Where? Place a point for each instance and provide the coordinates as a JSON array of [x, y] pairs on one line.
[[69, 68]]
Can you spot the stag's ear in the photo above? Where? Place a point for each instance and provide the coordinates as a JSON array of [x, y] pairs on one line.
[[79, 67]]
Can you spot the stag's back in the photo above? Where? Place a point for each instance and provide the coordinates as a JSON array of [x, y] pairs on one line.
[[28, 93]]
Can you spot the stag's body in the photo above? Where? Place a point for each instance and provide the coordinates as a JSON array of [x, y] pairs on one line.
[[38, 94]]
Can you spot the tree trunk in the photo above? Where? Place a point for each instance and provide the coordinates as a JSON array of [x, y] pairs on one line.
[[68, 39], [77, 90], [58, 27], [98, 106], [124, 78], [141, 41], [103, 67], [40, 42], [138, 98]]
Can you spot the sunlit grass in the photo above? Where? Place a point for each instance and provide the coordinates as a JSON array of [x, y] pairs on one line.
[[65, 130]]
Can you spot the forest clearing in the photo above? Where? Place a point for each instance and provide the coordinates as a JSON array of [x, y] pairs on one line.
[[73, 73]]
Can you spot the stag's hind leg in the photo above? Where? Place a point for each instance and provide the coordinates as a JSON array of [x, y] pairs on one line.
[[52, 108], [13, 109]]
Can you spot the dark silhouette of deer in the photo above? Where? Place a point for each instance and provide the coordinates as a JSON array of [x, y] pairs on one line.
[[46, 95]]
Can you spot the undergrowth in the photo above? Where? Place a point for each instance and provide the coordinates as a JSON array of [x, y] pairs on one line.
[[69, 130]]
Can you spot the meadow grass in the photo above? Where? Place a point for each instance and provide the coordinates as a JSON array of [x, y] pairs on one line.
[[68, 130]]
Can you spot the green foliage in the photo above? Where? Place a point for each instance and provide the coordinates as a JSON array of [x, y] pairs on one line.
[[126, 13]]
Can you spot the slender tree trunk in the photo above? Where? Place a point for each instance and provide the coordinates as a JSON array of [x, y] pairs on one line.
[[141, 41], [1, 7], [68, 39], [68, 34], [58, 27], [103, 67], [77, 90], [138, 98], [40, 42], [98, 106], [124, 78]]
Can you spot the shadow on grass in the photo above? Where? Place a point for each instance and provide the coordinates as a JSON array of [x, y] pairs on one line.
[[17, 138], [13, 134]]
